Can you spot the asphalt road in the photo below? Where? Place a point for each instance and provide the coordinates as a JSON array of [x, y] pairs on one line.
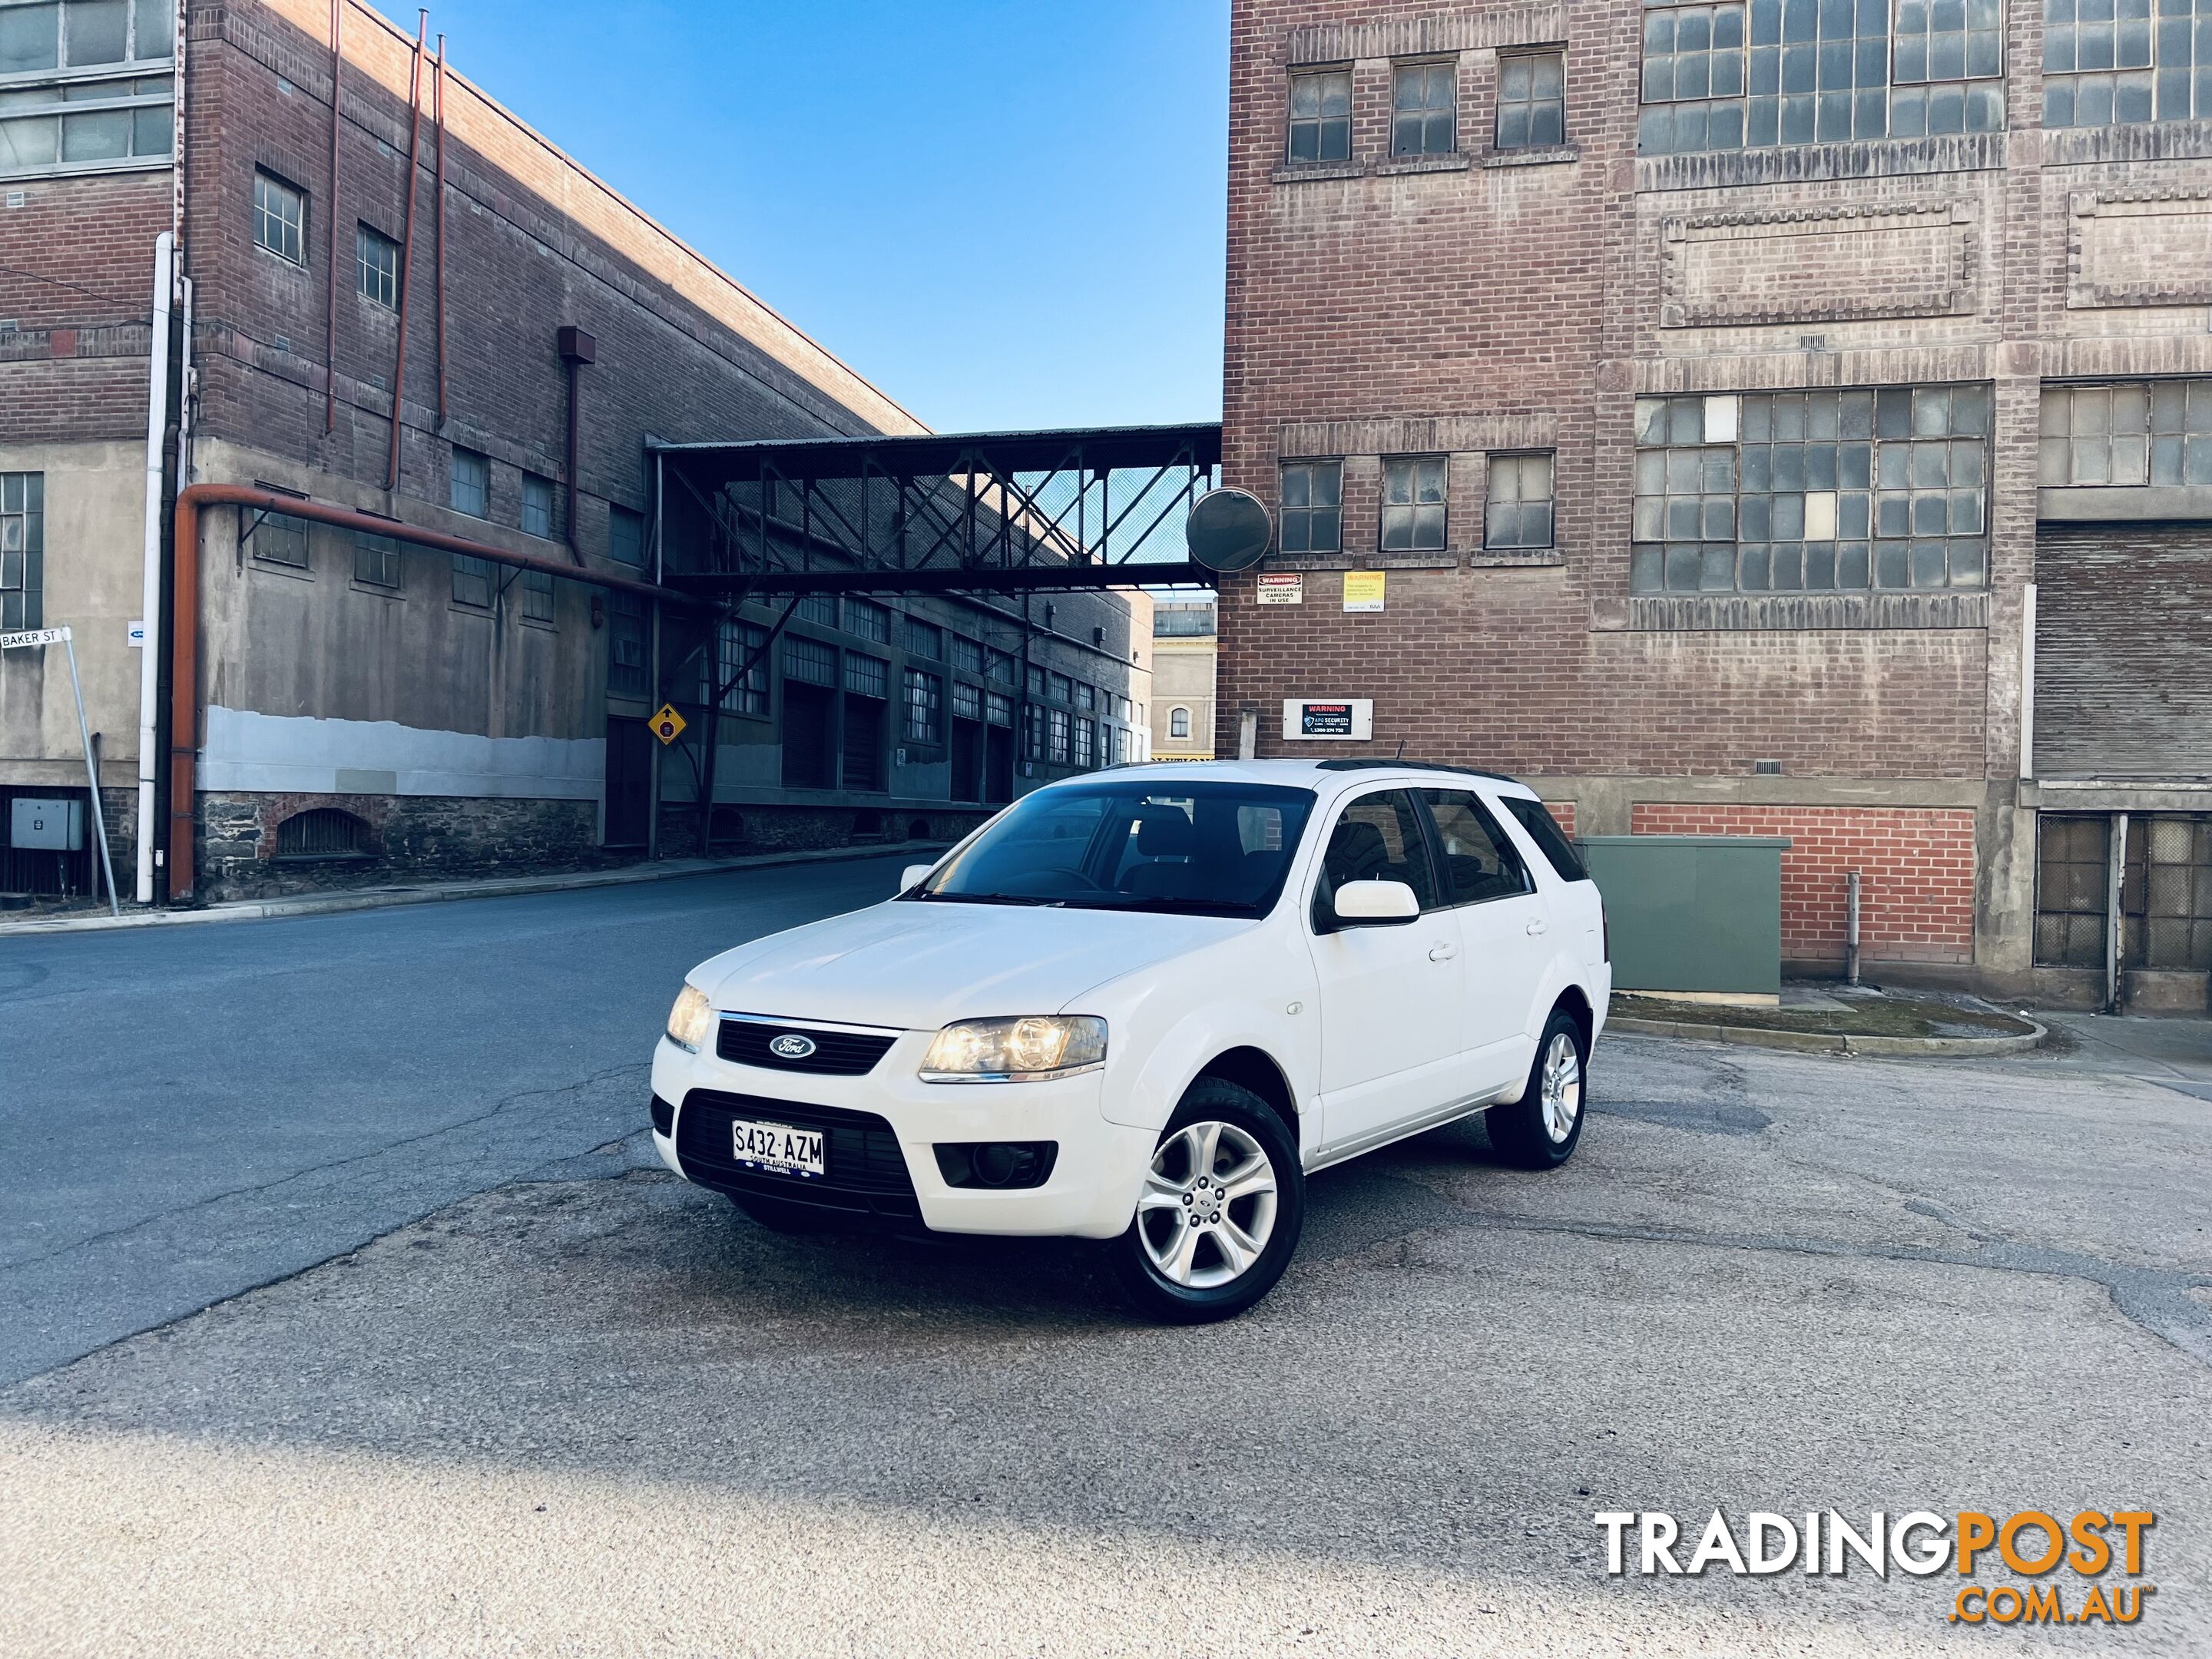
[[188, 1112], [580, 1407]]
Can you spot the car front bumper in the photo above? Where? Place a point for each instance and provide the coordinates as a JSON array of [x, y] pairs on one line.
[[1091, 1191]]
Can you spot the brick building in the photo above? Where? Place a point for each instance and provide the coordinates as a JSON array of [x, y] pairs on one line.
[[1183, 652], [1783, 416], [394, 299]]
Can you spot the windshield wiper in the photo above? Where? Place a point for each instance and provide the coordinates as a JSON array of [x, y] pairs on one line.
[[984, 899], [1192, 907]]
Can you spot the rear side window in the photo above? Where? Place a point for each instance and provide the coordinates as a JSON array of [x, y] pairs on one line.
[[1378, 838], [1544, 829], [1479, 860]]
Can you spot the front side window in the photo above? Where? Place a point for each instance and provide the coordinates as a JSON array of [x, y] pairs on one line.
[[376, 260], [1812, 491], [925, 707], [1413, 503], [77, 98], [280, 218], [537, 506], [1776, 72], [1193, 849], [1479, 862], [1311, 519], [1532, 99], [1518, 513], [2137, 432], [1321, 116], [469, 488], [1424, 109], [22, 550], [1378, 838], [2136, 60]]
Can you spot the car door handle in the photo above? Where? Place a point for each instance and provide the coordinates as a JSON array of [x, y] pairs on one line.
[[1442, 953], [1538, 925]]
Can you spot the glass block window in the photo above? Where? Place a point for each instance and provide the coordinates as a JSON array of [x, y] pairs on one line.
[[1518, 513], [1812, 491], [1321, 116], [277, 539], [924, 695], [867, 677], [472, 580], [2141, 432], [537, 587], [2109, 61], [626, 643], [469, 486], [869, 620], [967, 654], [280, 218], [1532, 99], [1819, 71], [1413, 503], [376, 266], [743, 669], [375, 560], [967, 701], [537, 506], [2072, 880], [809, 661], [1311, 519], [22, 550], [1424, 109]]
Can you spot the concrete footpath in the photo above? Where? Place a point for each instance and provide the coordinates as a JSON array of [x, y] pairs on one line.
[[374, 898]]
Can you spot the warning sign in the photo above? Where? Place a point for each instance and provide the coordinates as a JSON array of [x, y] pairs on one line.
[[1282, 590], [668, 725], [1363, 590]]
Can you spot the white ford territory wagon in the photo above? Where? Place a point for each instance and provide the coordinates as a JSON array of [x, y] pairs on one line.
[[1143, 1006]]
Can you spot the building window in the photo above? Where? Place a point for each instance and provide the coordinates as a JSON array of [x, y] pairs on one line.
[[322, 832], [1059, 728], [1321, 116], [626, 643], [1413, 503], [469, 488], [1063, 689], [625, 535], [2072, 880], [1532, 99], [22, 550], [925, 640], [1812, 491], [1311, 519], [810, 662], [377, 258], [997, 708], [820, 609], [277, 539], [76, 99], [869, 620], [1424, 109], [280, 218], [2145, 432], [1818, 71], [2104, 63], [1033, 681], [1034, 719], [472, 582], [1518, 513], [867, 677], [967, 655], [537, 596], [967, 701], [925, 707], [1086, 744], [1179, 722], [1087, 695], [742, 668], [537, 506], [375, 560]]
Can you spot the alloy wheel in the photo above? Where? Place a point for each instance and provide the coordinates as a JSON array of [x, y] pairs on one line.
[[1208, 1206], [1561, 1091]]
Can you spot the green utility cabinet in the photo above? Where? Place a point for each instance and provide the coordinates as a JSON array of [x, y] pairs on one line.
[[1698, 913]]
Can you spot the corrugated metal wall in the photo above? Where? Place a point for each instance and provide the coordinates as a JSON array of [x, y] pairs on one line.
[[2124, 651]]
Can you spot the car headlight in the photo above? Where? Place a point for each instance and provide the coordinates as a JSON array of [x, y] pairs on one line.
[[691, 1021], [1023, 1050]]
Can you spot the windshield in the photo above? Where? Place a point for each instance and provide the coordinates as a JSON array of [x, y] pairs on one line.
[[1192, 848]]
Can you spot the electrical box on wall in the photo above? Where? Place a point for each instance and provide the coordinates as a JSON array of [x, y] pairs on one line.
[[51, 826], [1340, 719]]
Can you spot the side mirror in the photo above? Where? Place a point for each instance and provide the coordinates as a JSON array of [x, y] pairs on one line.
[[912, 875], [1376, 904]]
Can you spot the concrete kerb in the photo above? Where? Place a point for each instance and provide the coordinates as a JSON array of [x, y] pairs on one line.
[[1831, 1042], [316, 904]]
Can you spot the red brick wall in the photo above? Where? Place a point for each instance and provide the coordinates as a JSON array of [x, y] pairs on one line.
[[1915, 874], [1563, 811]]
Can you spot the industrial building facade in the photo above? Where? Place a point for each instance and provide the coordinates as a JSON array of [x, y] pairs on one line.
[[1784, 417], [388, 298]]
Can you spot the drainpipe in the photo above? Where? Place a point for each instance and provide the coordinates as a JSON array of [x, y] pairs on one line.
[[438, 116], [184, 655], [330, 257], [577, 349], [1851, 940], [407, 251], [149, 656]]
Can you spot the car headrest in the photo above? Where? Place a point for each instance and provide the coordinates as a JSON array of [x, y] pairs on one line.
[[1360, 853], [1165, 832]]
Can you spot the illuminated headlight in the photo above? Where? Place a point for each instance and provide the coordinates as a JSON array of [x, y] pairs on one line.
[[691, 1021], [1023, 1050]]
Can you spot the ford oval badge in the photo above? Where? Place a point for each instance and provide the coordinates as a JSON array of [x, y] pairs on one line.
[[791, 1045]]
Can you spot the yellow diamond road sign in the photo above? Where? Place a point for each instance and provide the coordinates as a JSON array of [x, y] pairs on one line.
[[668, 725]]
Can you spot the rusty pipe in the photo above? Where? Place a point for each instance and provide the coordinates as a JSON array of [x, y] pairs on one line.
[[438, 116], [331, 214], [185, 647]]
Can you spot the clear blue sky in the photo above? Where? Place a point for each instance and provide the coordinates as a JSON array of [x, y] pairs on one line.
[[1005, 213]]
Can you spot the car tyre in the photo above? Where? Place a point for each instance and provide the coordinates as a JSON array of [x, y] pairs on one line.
[[1540, 1130], [1223, 1205]]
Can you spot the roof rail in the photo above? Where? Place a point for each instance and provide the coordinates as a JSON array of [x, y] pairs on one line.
[[1376, 764]]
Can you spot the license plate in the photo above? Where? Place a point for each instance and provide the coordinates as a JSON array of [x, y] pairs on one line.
[[777, 1146]]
